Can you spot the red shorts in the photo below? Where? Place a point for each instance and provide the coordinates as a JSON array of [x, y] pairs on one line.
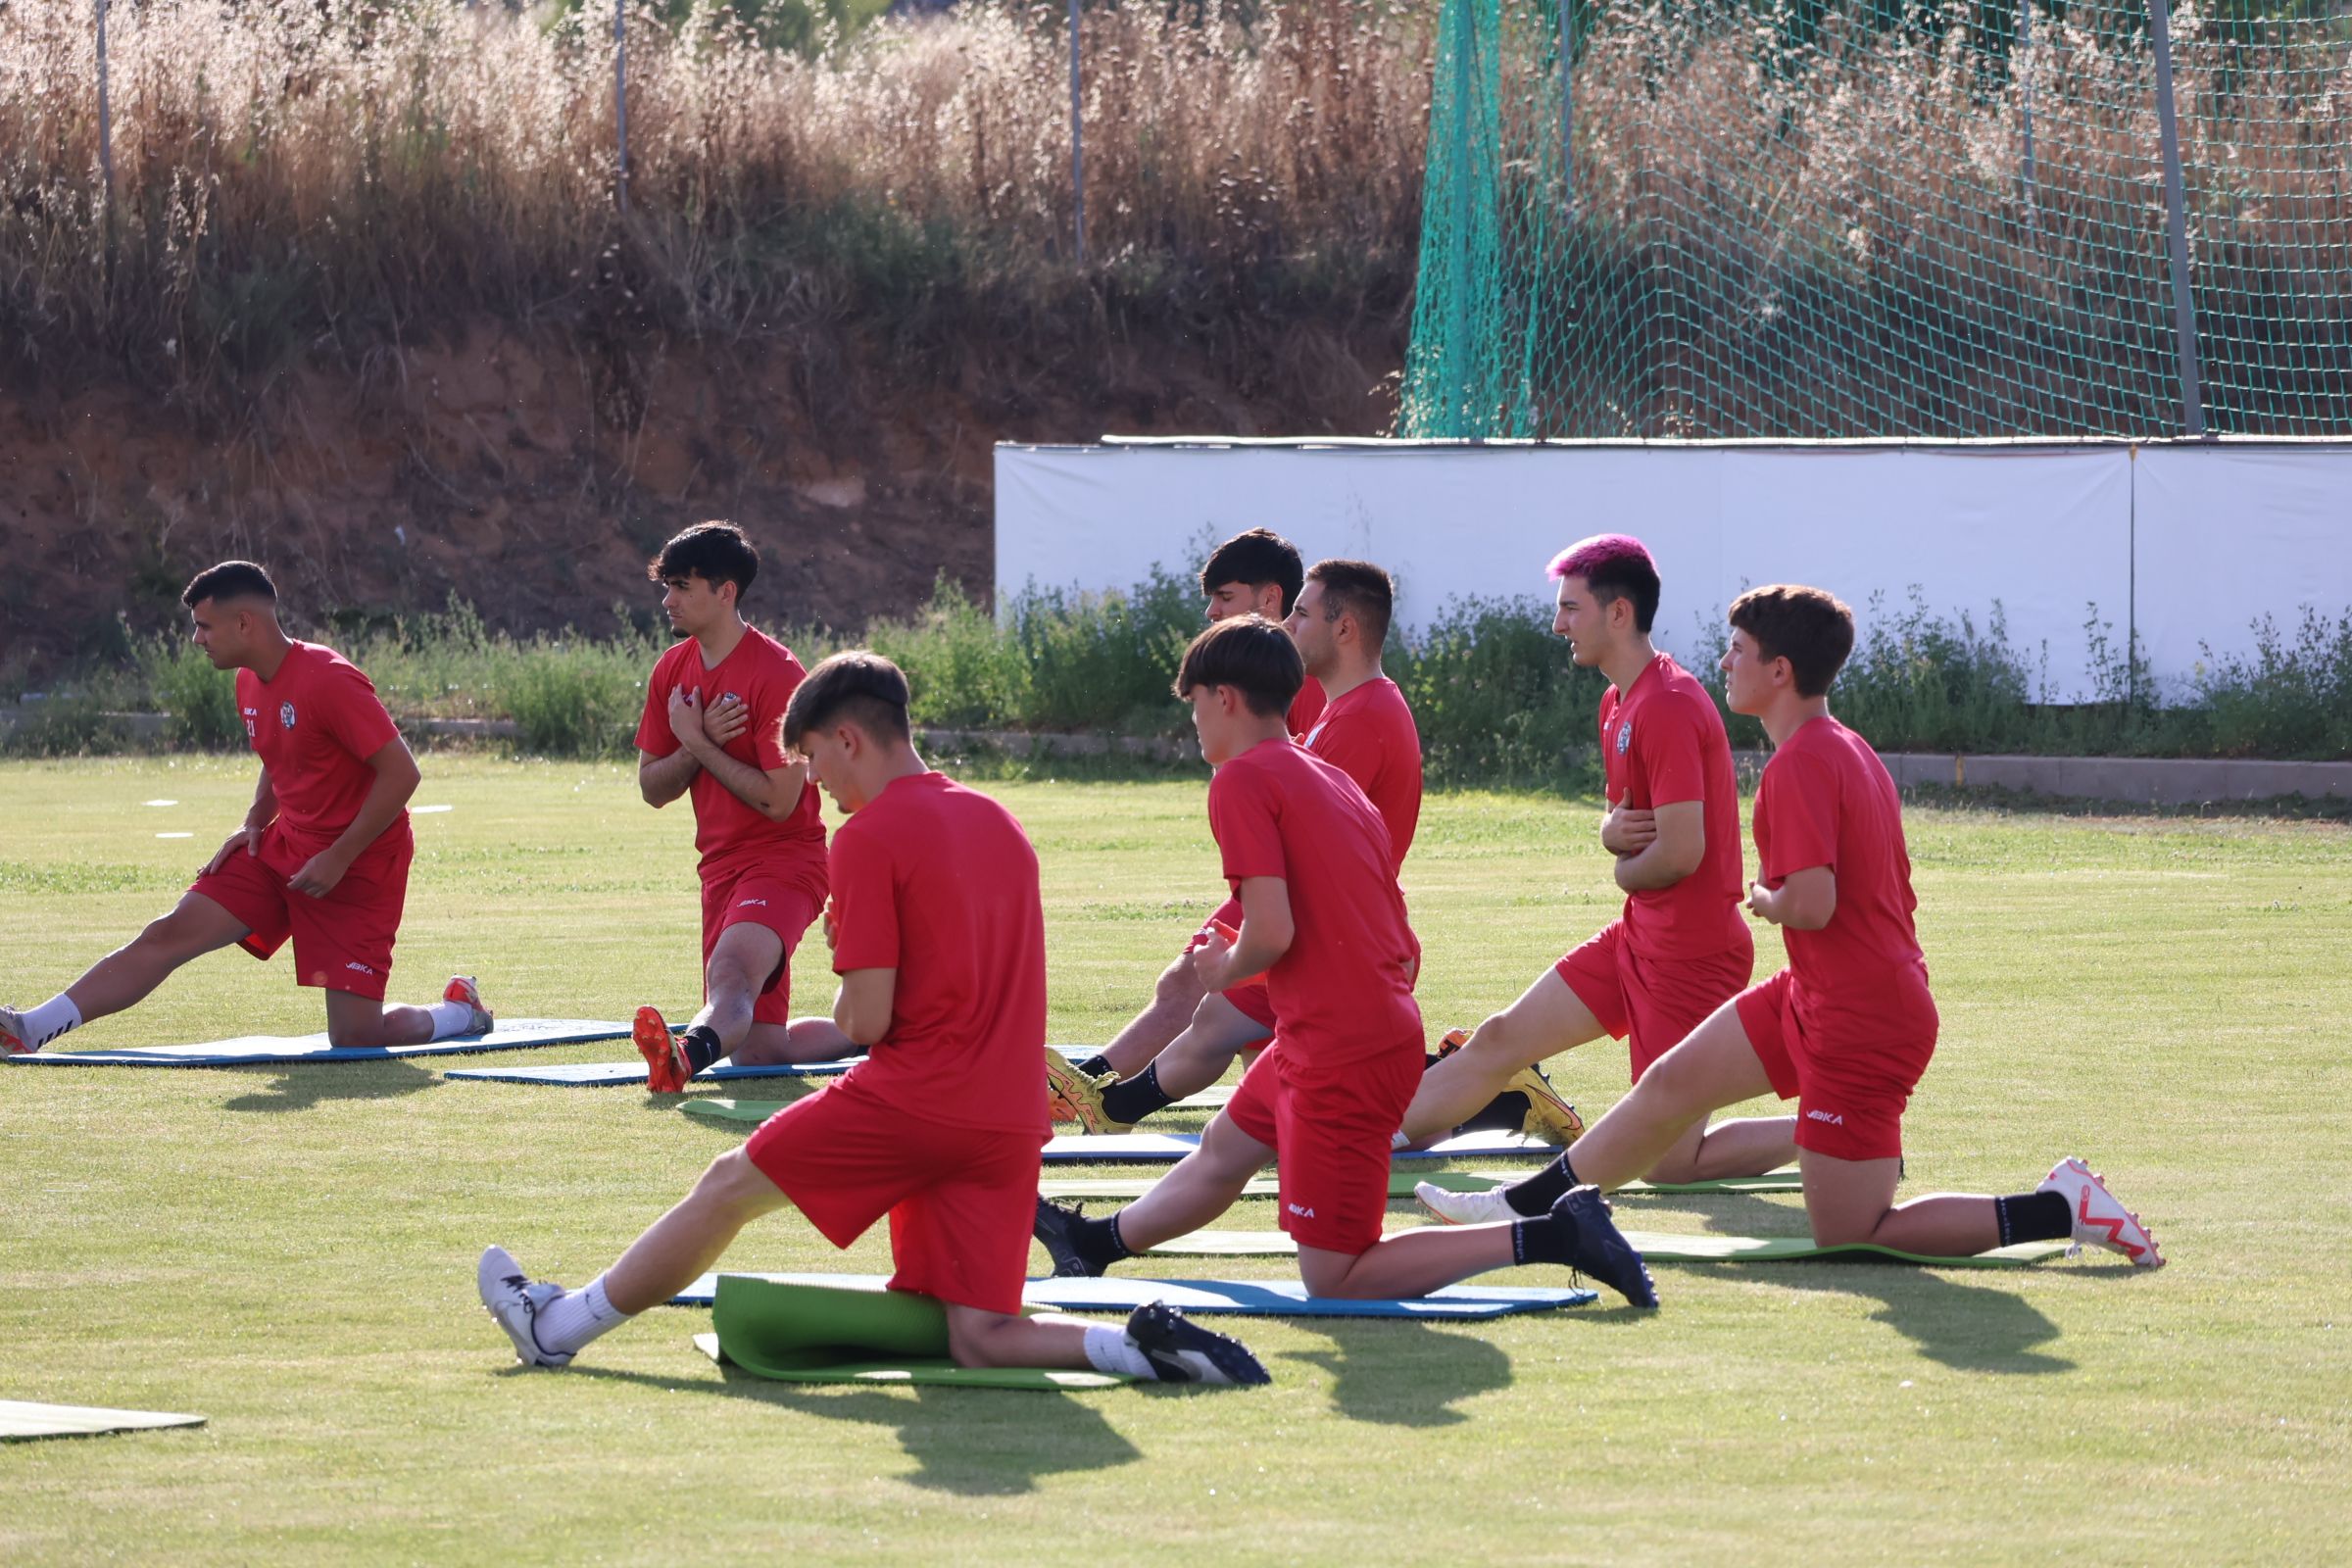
[[961, 1200], [762, 895], [1329, 1130], [1850, 1071], [1651, 1004], [1254, 1003], [342, 942]]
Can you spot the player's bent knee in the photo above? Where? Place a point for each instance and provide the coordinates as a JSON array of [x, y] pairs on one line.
[[733, 1183], [973, 1340]]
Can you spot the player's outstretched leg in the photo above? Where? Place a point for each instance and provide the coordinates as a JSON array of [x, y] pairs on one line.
[[1577, 1231], [1548, 1018], [123, 978], [1205, 1184], [1193, 1060]]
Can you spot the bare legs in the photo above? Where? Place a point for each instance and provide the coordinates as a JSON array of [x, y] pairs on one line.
[[740, 961], [1173, 1000], [125, 976], [1546, 1020]]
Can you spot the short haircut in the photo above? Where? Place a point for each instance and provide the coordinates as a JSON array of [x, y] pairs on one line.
[[860, 687], [1254, 559], [715, 552], [1811, 628], [232, 579], [1614, 565], [1250, 654], [1360, 589]]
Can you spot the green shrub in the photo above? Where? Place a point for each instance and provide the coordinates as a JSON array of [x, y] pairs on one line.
[[2290, 700], [965, 673], [199, 701], [1105, 661], [81, 721], [1497, 698], [573, 697]]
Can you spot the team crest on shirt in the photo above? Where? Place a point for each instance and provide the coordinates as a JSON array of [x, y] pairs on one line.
[[1625, 736], [285, 716]]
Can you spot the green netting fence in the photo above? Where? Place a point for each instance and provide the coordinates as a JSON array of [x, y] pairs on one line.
[[1817, 219]]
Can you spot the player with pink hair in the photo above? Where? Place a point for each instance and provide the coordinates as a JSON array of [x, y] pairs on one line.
[[1681, 948]]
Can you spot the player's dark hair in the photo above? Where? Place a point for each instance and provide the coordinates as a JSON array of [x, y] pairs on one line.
[[863, 688], [1251, 655], [1253, 560], [1614, 565], [715, 552], [1360, 589], [232, 579], [1809, 627]]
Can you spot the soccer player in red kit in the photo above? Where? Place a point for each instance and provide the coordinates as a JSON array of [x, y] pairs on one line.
[[1259, 572], [1340, 622], [1847, 1028], [1681, 948], [712, 730], [324, 855], [1322, 918], [939, 938]]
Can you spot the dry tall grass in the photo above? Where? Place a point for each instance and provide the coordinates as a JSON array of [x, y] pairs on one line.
[[1820, 234]]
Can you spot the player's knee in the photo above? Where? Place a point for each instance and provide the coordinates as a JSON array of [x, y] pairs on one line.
[[1179, 987], [735, 1186], [362, 1035], [1675, 1084], [972, 1341], [167, 936]]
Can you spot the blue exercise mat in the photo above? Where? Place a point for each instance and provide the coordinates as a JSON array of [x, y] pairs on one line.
[[616, 1074], [1165, 1148], [1239, 1297], [269, 1051]]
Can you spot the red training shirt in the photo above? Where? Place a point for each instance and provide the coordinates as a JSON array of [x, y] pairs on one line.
[[1369, 734], [761, 672], [1306, 708], [1662, 743], [940, 882], [1343, 992], [314, 726], [1826, 799]]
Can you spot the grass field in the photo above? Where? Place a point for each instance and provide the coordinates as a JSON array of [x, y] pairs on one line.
[[291, 1252]]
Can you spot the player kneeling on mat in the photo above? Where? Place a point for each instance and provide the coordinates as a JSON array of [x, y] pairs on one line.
[[938, 935], [1310, 862]]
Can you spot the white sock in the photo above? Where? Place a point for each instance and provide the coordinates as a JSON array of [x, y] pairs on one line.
[[1397, 1139], [450, 1018], [1111, 1350], [50, 1019], [568, 1322]]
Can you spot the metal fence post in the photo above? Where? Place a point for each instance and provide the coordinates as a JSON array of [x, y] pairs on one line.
[[621, 101], [2175, 221], [1567, 108], [2022, 57], [1077, 144], [106, 142]]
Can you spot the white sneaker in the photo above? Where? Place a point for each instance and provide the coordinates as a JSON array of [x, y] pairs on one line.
[[2098, 1218], [514, 1300], [462, 988], [15, 1036], [1465, 1208]]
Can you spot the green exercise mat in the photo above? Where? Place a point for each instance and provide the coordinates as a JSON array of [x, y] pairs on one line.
[[1403, 1182], [21, 1419], [1655, 1247], [855, 1333]]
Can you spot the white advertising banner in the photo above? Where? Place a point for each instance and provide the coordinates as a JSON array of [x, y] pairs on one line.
[[2042, 533]]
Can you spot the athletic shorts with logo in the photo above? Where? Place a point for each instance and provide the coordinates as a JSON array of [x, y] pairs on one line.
[[1331, 1131], [961, 1200], [1651, 1004], [762, 895], [1849, 1070], [342, 942]]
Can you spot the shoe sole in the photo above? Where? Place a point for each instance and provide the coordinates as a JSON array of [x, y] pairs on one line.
[[650, 1034], [484, 1273], [1176, 1336], [1617, 1265]]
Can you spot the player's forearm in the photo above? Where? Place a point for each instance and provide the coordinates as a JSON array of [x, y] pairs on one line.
[[264, 809], [387, 795], [748, 784], [1650, 871], [663, 779]]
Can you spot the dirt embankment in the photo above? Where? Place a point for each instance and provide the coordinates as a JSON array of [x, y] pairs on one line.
[[532, 472]]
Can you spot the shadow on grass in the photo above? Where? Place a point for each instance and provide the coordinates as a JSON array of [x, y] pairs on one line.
[[301, 1088], [1408, 1374], [1962, 1325], [976, 1442]]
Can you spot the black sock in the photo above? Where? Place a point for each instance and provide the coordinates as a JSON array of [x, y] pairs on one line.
[[702, 1047], [1139, 1096], [1536, 1195], [1429, 1059], [2033, 1218], [1094, 1066], [1543, 1239], [1507, 1112], [1098, 1241]]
